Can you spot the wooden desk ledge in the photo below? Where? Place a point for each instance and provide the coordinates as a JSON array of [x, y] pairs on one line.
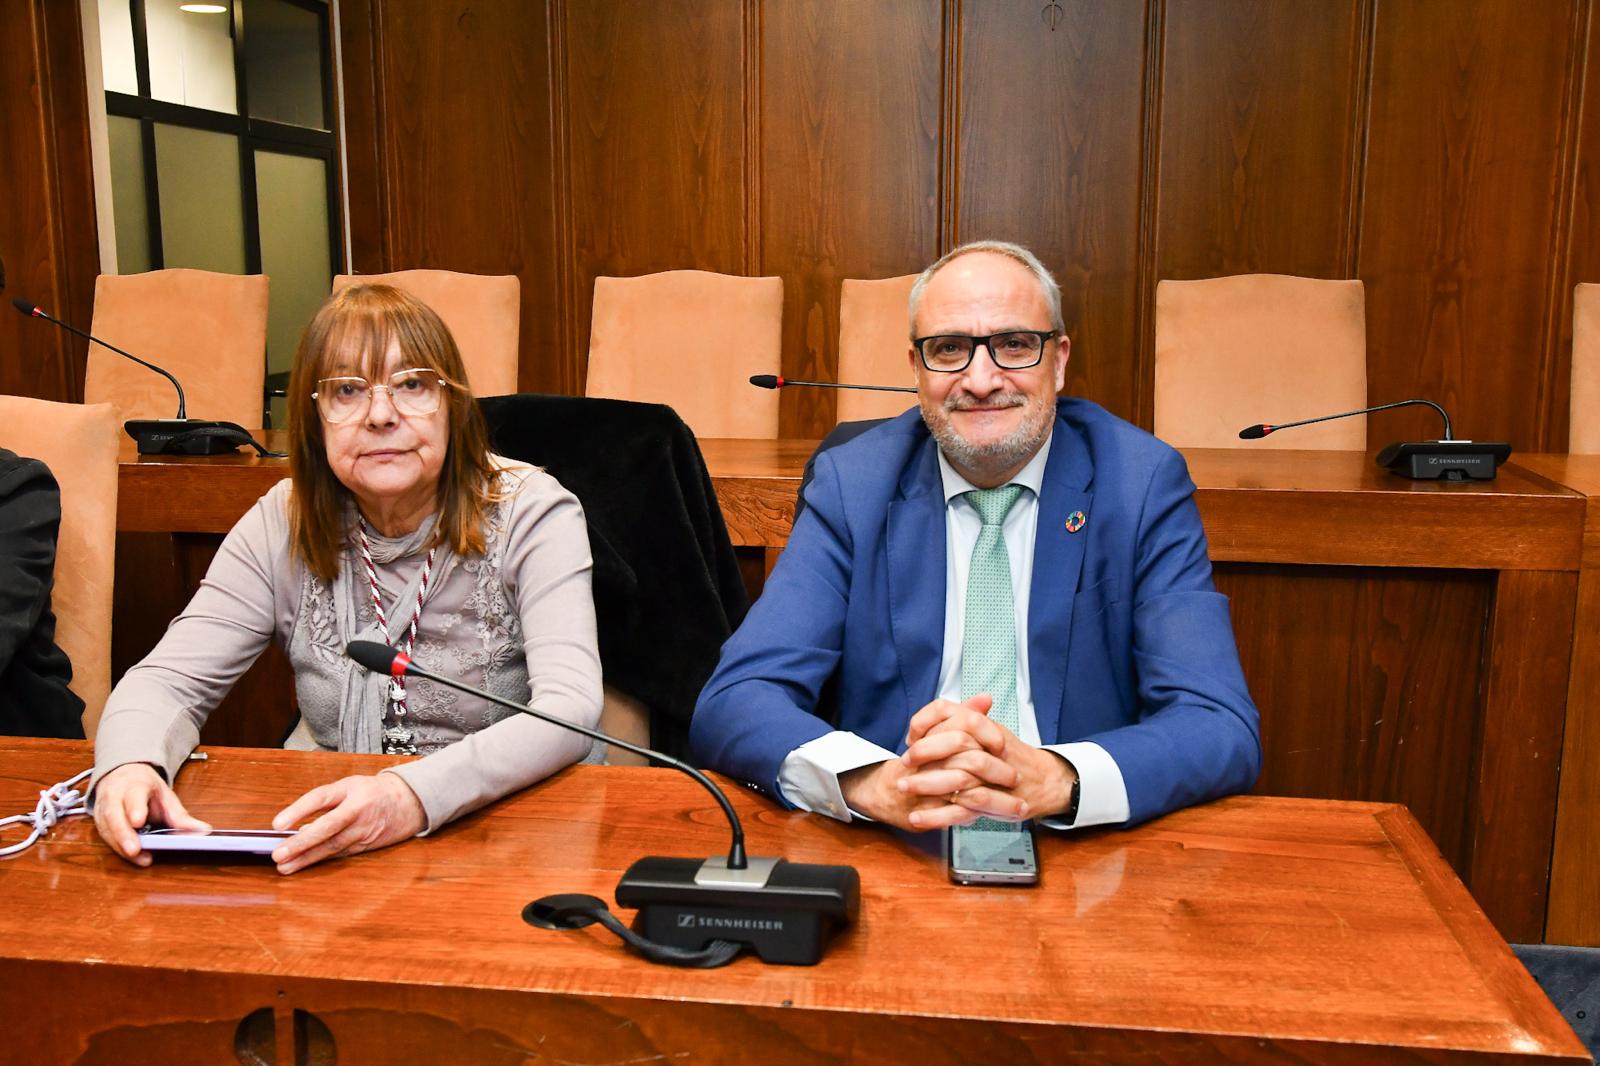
[[1307, 507], [1341, 508]]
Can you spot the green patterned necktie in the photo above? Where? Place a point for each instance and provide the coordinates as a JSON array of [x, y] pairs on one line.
[[989, 640]]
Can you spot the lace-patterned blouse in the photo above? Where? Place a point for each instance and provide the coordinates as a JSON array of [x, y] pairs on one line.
[[517, 620]]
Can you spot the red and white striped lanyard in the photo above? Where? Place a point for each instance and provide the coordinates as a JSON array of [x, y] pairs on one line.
[[397, 688]]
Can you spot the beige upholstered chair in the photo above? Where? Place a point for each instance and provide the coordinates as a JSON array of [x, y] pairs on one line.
[[483, 312], [690, 339], [208, 330], [874, 342], [79, 445], [1232, 352], [1584, 433]]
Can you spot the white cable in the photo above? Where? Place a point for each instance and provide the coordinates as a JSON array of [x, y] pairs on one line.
[[59, 801]]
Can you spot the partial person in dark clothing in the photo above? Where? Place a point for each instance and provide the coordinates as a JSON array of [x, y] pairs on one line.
[[34, 698]]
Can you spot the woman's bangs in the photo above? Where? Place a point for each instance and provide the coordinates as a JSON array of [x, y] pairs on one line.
[[356, 345]]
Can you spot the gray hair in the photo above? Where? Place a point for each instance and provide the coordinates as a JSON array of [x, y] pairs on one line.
[[1047, 284]]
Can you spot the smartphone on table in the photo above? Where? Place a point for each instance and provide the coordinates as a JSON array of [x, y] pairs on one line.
[[992, 852], [218, 841]]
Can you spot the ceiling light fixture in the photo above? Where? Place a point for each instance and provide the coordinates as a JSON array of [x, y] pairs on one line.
[[204, 9]]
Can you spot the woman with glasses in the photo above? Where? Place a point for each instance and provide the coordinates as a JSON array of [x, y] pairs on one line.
[[396, 525]]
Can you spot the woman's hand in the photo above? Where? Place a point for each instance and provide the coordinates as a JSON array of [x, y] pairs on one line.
[[131, 797], [352, 815]]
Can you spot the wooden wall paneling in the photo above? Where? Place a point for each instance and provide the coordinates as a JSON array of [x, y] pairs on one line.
[[1428, 148], [1463, 174], [1579, 246], [850, 134], [361, 28], [1257, 117], [1259, 101], [1553, 368], [655, 128], [1381, 700], [67, 120], [1049, 151], [1149, 211], [1512, 810], [48, 239], [466, 157]]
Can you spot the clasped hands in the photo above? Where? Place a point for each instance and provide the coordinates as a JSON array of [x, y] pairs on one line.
[[960, 765], [348, 816]]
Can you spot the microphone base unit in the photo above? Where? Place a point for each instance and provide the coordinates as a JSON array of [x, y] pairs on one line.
[[1447, 460], [785, 911], [185, 436]]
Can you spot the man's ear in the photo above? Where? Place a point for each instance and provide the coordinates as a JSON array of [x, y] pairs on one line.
[[1063, 353]]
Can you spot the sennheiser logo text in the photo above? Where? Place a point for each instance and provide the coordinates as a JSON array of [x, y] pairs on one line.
[[703, 921]]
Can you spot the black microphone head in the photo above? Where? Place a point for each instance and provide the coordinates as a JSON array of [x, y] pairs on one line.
[[27, 307], [765, 381], [1255, 432], [378, 658]]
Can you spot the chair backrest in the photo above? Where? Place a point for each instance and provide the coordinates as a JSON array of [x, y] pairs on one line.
[[1232, 352], [690, 339], [79, 444], [874, 337], [1584, 433], [482, 311], [208, 330]]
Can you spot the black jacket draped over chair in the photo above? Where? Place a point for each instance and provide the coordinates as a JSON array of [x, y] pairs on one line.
[[667, 588]]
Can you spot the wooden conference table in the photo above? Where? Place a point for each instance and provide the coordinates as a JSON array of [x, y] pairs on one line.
[[1252, 929], [1406, 641]]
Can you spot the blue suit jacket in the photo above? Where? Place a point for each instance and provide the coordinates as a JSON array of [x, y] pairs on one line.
[[1129, 643]]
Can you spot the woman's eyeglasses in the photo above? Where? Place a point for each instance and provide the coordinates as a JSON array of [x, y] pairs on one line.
[[413, 392]]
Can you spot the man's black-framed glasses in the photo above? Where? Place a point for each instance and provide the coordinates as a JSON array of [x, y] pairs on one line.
[[951, 353]]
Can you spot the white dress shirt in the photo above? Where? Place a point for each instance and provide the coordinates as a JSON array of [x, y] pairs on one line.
[[809, 776]]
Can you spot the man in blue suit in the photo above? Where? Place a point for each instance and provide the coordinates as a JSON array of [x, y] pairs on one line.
[[1010, 591]]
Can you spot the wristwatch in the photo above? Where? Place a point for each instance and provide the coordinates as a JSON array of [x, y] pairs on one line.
[[1070, 815]]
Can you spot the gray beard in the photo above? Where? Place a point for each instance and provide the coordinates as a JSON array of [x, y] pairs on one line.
[[991, 460]]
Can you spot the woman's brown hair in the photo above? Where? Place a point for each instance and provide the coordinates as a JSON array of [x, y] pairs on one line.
[[351, 332]]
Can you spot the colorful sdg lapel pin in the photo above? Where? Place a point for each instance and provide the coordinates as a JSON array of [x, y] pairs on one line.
[[1075, 521]]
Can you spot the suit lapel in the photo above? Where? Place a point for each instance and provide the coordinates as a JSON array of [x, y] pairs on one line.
[[916, 570], [1057, 561]]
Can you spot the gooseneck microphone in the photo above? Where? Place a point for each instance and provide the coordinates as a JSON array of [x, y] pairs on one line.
[[163, 436], [1256, 432], [773, 381], [691, 912], [1446, 458], [382, 659], [28, 308]]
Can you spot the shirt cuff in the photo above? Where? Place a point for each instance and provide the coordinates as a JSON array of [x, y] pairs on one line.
[[809, 776], [1102, 794]]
